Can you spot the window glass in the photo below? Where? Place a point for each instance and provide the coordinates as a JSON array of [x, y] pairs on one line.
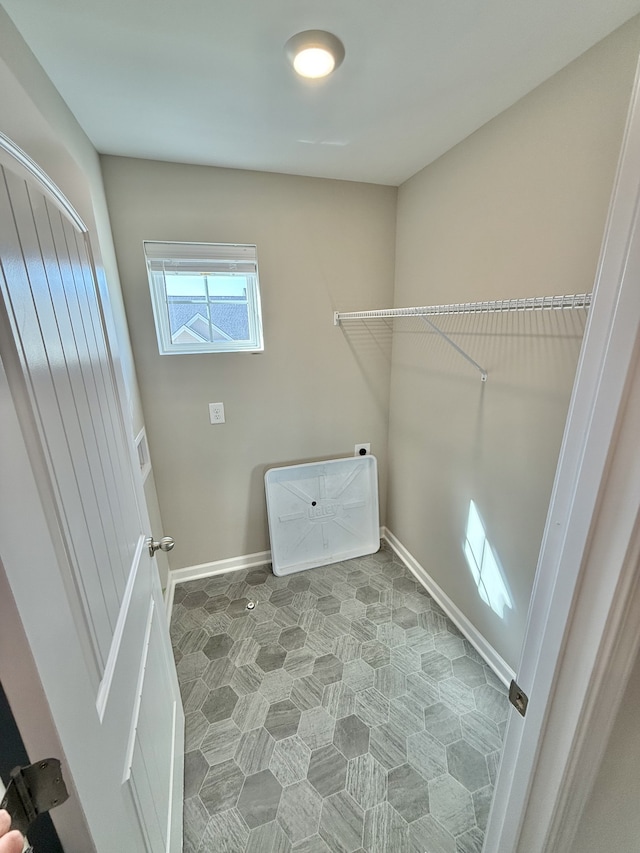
[[205, 297]]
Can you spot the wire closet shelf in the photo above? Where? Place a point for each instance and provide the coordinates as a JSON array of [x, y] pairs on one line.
[[533, 303]]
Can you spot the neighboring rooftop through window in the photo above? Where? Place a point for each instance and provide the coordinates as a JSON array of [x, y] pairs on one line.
[[205, 297]]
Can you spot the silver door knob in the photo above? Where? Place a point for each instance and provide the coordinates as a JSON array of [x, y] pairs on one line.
[[165, 544]]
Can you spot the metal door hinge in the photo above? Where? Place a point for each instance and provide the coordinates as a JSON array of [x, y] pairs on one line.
[[518, 698], [32, 790]]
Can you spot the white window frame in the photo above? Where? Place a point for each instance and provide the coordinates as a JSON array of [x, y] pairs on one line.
[[212, 258]]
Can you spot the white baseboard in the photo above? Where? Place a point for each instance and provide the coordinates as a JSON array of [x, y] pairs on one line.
[[209, 570], [480, 644]]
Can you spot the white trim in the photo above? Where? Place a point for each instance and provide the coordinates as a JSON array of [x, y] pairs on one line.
[[208, 570], [580, 637], [477, 640], [104, 688], [135, 716], [45, 183]]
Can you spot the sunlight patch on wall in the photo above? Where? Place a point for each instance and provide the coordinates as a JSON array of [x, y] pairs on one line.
[[484, 565]]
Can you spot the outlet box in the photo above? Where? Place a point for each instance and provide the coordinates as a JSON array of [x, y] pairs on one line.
[[362, 449], [216, 413]]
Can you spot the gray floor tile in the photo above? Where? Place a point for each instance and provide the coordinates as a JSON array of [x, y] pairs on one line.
[[283, 719], [481, 805], [347, 648], [254, 751], [195, 769], [407, 714], [196, 725], [219, 673], [388, 745], [292, 638], [327, 770], [220, 742], [436, 665], [350, 658], [339, 700], [471, 841], [217, 646], [246, 679], [316, 728], [299, 812], [469, 672], [375, 654], [442, 723], [219, 704], [467, 765], [250, 711], [456, 696], [385, 830], [276, 686], [315, 844], [408, 792], [268, 838], [299, 662], [221, 787], [390, 681], [351, 736], [196, 818], [290, 760], [328, 669], [491, 703], [372, 707], [342, 823], [451, 805], [366, 781], [358, 675], [427, 755], [225, 833], [259, 799], [271, 657], [426, 834], [307, 692]]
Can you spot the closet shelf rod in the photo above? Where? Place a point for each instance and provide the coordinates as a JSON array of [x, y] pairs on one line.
[[534, 303]]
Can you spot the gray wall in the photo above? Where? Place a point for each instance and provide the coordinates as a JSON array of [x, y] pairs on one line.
[[322, 246], [516, 210], [611, 819]]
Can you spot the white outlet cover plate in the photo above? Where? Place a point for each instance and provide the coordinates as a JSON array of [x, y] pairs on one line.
[[322, 513]]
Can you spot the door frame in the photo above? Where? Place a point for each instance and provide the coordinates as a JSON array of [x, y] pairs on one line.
[[581, 638]]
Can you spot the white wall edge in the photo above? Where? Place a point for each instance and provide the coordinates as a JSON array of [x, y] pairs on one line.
[[208, 570], [477, 640]]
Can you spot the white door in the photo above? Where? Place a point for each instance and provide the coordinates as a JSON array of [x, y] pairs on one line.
[[74, 529]]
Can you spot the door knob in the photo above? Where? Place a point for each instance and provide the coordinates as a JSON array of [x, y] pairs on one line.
[[165, 544]]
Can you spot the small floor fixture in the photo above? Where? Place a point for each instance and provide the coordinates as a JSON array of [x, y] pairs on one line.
[[314, 53]]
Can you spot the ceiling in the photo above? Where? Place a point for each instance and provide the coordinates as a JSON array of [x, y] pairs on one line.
[[207, 81]]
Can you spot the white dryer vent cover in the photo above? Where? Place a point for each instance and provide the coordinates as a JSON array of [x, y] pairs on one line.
[[322, 512]]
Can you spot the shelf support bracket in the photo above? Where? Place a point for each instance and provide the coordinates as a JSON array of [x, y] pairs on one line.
[[483, 372]]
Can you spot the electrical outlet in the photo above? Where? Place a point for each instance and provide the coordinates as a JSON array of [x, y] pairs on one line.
[[362, 449], [216, 413]]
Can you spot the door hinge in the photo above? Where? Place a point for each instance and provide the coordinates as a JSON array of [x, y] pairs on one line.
[[32, 790], [518, 698]]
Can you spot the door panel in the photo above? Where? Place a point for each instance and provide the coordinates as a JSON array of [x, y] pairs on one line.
[[65, 395]]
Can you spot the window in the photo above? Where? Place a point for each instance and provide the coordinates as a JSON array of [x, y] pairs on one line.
[[205, 297]]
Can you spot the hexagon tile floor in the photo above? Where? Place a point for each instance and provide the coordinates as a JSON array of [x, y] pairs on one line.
[[344, 713]]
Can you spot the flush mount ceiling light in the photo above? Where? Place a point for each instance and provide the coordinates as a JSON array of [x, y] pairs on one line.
[[314, 53]]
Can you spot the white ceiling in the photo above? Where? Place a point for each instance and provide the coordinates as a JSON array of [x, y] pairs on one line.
[[206, 81]]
